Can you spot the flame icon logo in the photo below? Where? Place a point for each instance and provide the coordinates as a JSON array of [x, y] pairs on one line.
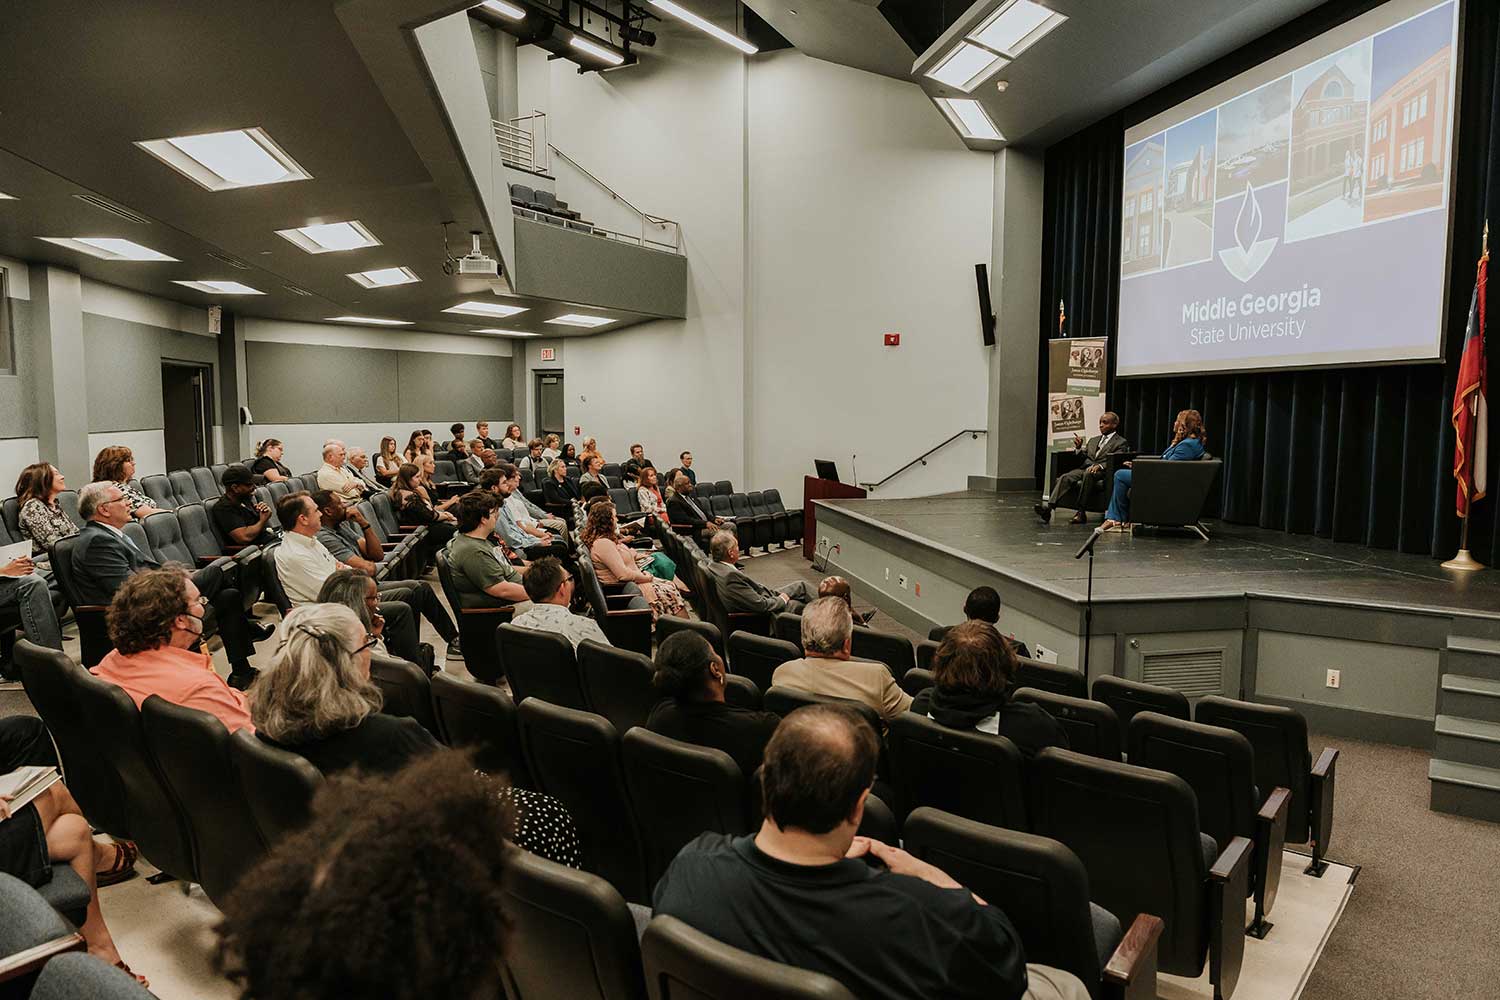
[[1250, 253]]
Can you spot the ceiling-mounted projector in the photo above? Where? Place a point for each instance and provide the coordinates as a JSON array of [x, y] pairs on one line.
[[475, 264]]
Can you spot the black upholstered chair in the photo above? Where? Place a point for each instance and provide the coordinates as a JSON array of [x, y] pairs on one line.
[[1167, 494], [1069, 681], [93, 631], [678, 791], [191, 749], [1045, 892], [405, 690], [783, 701], [1136, 831], [776, 519], [478, 716], [967, 773], [758, 656], [572, 935], [1128, 697], [278, 786], [1278, 736], [1219, 765], [540, 665], [726, 622], [575, 758], [1092, 726], [667, 624], [202, 544], [926, 650], [68, 501], [684, 964], [895, 651], [625, 618], [917, 680], [773, 503], [741, 692], [476, 628], [10, 517], [788, 628], [617, 684]]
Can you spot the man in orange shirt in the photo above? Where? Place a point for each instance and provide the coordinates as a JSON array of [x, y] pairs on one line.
[[155, 620]]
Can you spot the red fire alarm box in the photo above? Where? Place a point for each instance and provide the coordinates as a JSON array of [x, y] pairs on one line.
[[893, 340]]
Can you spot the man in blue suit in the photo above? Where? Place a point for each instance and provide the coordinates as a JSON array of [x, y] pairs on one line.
[[104, 558]]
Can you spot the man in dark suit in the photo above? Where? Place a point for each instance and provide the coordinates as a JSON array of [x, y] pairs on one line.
[[104, 558], [1074, 487], [740, 593], [683, 510]]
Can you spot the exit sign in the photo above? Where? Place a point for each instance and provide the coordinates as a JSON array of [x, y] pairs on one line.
[[549, 354]]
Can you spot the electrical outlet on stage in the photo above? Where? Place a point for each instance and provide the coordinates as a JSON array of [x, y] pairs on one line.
[[901, 581], [1333, 678]]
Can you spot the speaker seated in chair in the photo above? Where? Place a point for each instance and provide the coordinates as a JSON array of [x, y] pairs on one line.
[[1173, 495], [1081, 477]]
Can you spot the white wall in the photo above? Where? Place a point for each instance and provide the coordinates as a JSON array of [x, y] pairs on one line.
[[15, 455], [149, 448]]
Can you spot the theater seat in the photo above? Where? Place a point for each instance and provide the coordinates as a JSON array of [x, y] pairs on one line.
[[625, 618], [540, 665], [32, 933], [1062, 680], [205, 482], [917, 680], [276, 784], [405, 690], [772, 500], [1128, 697], [617, 684], [158, 490], [667, 624], [482, 718], [758, 656], [93, 631], [1092, 726], [895, 651], [971, 774], [476, 628], [184, 486], [684, 964], [678, 791]]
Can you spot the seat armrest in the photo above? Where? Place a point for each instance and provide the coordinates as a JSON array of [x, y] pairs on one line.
[[390, 546], [1270, 836], [629, 629], [1320, 806], [91, 609], [209, 560], [30, 960], [756, 622], [620, 602], [1130, 973], [1228, 885], [508, 609]]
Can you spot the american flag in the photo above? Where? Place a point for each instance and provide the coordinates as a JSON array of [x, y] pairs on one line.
[[1471, 415]]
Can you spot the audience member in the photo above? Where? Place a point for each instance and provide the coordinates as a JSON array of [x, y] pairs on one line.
[[740, 593], [482, 575], [686, 468], [456, 437], [837, 586], [41, 518], [476, 461], [569, 455], [357, 592], [808, 892], [427, 480], [241, 520], [549, 585], [533, 458], [982, 605], [104, 558], [359, 465], [519, 524], [827, 668], [683, 510], [482, 435], [551, 448], [413, 447], [615, 562], [116, 464], [388, 462], [332, 475], [514, 439], [690, 677], [589, 444], [267, 461], [973, 671], [415, 509], [1188, 437], [592, 464], [155, 621], [648, 494], [560, 488], [24, 593], [637, 461]]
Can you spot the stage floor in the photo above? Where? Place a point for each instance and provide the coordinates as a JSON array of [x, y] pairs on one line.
[[1000, 531]]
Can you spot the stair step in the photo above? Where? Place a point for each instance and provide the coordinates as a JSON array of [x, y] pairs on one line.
[[1465, 789], [1472, 729], [1467, 741], [1473, 657], [1470, 697], [1474, 644]]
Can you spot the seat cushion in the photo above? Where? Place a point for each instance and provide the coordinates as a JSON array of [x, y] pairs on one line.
[[66, 893], [1107, 932], [1210, 848]]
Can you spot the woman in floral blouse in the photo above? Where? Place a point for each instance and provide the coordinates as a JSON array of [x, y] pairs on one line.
[[116, 464], [42, 520]]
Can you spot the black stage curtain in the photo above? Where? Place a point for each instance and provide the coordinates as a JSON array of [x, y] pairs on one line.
[[1352, 454]]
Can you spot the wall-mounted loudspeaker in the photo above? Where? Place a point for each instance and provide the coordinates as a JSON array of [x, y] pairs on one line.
[[986, 314]]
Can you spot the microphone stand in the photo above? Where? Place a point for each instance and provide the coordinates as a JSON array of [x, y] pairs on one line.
[[1088, 605]]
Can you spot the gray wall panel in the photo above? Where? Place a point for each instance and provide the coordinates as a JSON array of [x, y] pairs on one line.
[[1374, 677], [434, 387], [574, 267], [122, 364], [306, 384], [18, 391]]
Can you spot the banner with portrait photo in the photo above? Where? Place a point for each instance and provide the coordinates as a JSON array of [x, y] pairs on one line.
[[1075, 389]]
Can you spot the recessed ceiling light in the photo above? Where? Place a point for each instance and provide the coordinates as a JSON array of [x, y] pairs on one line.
[[966, 67], [1016, 26], [220, 287], [369, 320], [968, 116], [106, 248], [596, 50], [329, 237], [704, 26], [384, 277], [1002, 85], [472, 308], [506, 10], [221, 161], [579, 319], [7, 197], [506, 333]]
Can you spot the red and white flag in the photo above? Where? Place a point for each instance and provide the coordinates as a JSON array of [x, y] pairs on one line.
[[1471, 415]]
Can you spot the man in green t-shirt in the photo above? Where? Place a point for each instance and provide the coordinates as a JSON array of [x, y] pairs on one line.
[[482, 575]]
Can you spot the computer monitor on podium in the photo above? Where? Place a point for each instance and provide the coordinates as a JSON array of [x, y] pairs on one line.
[[826, 469]]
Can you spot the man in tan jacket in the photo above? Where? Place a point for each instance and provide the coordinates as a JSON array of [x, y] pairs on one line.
[[828, 669]]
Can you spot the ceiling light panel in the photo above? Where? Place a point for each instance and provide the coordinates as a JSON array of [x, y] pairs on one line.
[[1016, 26], [509, 11], [222, 161], [506, 333], [968, 116], [7, 197], [214, 287], [369, 321], [579, 319], [966, 67], [596, 50], [106, 248], [705, 26], [330, 237], [496, 309], [384, 277]]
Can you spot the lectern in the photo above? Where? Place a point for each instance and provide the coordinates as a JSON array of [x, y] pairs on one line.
[[814, 488]]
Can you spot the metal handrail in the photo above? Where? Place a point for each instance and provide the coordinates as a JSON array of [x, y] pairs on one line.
[[973, 432], [645, 217], [519, 146]]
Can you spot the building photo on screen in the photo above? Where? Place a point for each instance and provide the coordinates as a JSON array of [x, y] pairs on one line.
[[1296, 215]]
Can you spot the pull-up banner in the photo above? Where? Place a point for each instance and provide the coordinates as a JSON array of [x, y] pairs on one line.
[[1075, 389]]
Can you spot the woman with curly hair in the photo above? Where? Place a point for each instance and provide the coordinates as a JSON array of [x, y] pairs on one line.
[[42, 520], [514, 440], [616, 562], [1188, 436], [116, 465]]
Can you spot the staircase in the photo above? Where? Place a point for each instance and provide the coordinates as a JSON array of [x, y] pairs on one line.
[[1465, 767]]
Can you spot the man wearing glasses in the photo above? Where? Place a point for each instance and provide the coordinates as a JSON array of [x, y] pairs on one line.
[[104, 558], [550, 588]]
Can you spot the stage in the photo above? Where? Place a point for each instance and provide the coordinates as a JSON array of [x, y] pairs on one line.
[[1249, 613]]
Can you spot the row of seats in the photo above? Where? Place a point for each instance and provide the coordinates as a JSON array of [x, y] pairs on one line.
[[545, 206], [42, 954]]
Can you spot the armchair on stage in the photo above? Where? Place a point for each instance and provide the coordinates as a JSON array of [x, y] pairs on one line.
[[1173, 494], [1097, 497]]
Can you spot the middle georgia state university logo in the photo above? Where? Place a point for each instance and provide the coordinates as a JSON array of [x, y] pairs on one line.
[[1249, 253]]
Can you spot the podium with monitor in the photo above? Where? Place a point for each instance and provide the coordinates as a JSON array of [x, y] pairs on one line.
[[824, 486]]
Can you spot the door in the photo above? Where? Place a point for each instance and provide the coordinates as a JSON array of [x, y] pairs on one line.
[[549, 404], [187, 413]]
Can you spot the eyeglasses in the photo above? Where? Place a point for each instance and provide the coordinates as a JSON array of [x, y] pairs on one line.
[[200, 601], [370, 640]]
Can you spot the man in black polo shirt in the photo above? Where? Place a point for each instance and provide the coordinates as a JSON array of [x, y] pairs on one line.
[[240, 519], [806, 892]]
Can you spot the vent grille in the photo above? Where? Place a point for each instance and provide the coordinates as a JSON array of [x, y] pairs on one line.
[[231, 261], [297, 291], [117, 210], [1194, 672]]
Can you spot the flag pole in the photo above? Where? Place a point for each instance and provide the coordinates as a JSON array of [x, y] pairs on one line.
[[1465, 561]]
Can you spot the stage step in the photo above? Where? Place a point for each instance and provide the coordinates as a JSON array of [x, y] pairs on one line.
[[1472, 657], [1470, 697], [1465, 789], [1467, 741]]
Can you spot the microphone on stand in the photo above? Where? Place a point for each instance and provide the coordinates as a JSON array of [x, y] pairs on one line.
[[1090, 543], [854, 464]]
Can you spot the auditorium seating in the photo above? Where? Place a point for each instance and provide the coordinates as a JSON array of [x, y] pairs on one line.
[[184, 488], [758, 656], [678, 791], [476, 628], [668, 624], [405, 690], [1069, 681], [625, 617], [278, 786], [205, 483], [1128, 697], [926, 650], [158, 490], [481, 717], [31, 934], [917, 680], [540, 665], [617, 684], [75, 975], [1092, 726], [270, 583], [895, 651], [684, 964], [93, 632], [970, 774]]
